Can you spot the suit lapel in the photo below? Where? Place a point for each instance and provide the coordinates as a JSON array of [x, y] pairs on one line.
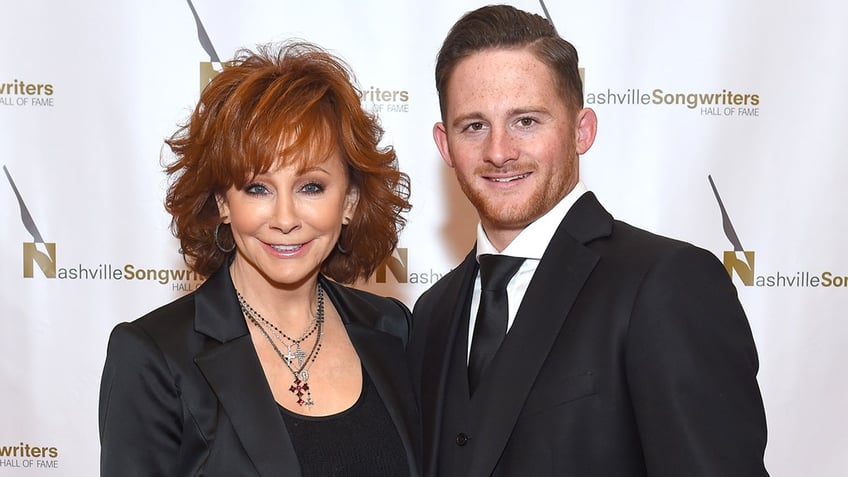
[[380, 354], [562, 272], [442, 332], [235, 375]]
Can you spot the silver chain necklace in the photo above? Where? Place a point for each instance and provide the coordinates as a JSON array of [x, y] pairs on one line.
[[290, 355], [300, 385]]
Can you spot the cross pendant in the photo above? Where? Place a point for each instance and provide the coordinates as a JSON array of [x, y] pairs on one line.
[[299, 354], [289, 356]]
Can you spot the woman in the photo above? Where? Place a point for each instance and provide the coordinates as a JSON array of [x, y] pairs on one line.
[[279, 193]]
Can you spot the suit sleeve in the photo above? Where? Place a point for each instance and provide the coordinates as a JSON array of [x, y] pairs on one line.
[[140, 411], [691, 370]]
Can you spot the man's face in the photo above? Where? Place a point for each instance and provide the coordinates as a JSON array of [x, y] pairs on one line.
[[511, 139]]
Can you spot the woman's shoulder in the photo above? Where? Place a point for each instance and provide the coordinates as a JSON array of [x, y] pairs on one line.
[[160, 324], [384, 313]]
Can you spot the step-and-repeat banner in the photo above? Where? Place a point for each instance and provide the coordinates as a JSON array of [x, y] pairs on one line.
[[723, 124]]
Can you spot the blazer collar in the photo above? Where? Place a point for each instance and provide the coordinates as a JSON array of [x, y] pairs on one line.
[[218, 314], [234, 373], [356, 310], [587, 220]]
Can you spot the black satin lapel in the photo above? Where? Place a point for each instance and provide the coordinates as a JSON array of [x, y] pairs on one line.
[[217, 312], [351, 307], [235, 375], [561, 274], [382, 357]]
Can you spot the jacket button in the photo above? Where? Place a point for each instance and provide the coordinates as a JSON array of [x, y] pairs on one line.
[[462, 439]]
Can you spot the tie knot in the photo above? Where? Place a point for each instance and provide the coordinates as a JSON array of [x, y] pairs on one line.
[[496, 270]]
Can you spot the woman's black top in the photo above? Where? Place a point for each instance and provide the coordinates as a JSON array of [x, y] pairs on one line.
[[360, 441]]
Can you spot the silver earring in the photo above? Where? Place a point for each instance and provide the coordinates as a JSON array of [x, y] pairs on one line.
[[339, 247], [218, 243]]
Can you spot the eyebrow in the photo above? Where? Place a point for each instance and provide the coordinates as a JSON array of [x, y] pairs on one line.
[[512, 112], [315, 168]]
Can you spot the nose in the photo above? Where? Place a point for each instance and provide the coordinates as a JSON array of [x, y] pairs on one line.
[[500, 147], [285, 217]]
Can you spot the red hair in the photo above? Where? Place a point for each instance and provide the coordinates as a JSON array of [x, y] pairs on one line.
[[291, 104]]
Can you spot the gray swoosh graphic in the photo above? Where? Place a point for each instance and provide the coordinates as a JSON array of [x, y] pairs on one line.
[[729, 231], [203, 37], [26, 218], [547, 15]]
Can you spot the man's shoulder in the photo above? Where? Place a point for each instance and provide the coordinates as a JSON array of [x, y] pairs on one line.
[[636, 245], [627, 233]]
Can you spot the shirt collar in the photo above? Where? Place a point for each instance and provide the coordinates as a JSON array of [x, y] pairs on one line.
[[533, 240]]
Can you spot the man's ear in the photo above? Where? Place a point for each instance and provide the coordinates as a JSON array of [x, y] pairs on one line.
[[587, 127], [440, 136], [223, 208]]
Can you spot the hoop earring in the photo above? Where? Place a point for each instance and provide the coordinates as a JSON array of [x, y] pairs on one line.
[[218, 243], [339, 247]]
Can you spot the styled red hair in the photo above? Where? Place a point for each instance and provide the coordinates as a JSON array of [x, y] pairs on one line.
[[287, 104]]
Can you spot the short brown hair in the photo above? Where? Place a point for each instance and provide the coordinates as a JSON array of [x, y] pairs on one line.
[[292, 103], [505, 27]]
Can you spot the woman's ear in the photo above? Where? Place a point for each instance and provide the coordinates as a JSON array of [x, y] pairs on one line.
[[350, 203], [223, 208]]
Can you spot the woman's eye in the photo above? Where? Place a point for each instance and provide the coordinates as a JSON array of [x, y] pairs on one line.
[[312, 188], [256, 189]]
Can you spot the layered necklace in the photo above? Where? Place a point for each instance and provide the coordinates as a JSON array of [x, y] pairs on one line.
[[294, 352]]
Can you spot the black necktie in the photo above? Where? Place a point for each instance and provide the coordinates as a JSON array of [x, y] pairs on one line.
[[490, 328]]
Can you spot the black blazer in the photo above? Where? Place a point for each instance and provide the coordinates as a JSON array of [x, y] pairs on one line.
[[183, 392], [630, 356]]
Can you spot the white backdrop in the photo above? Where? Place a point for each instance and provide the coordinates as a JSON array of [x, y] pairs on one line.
[[88, 92]]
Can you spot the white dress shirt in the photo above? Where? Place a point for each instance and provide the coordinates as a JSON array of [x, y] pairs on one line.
[[529, 244]]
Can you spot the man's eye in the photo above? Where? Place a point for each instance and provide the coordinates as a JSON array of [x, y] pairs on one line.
[[526, 122], [474, 126]]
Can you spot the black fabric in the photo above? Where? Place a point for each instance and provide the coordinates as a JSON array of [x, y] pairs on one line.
[[490, 328], [185, 381], [359, 441]]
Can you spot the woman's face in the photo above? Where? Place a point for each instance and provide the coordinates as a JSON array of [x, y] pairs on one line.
[[286, 222]]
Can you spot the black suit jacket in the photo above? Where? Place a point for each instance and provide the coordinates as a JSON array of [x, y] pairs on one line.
[[183, 392], [630, 356]]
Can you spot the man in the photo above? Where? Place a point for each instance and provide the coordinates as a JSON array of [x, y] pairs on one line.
[[627, 353]]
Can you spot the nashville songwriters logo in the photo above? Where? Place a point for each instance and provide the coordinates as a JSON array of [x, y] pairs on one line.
[[46, 257], [711, 103], [741, 262], [21, 94], [28, 456], [398, 265], [42, 255], [208, 69]]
